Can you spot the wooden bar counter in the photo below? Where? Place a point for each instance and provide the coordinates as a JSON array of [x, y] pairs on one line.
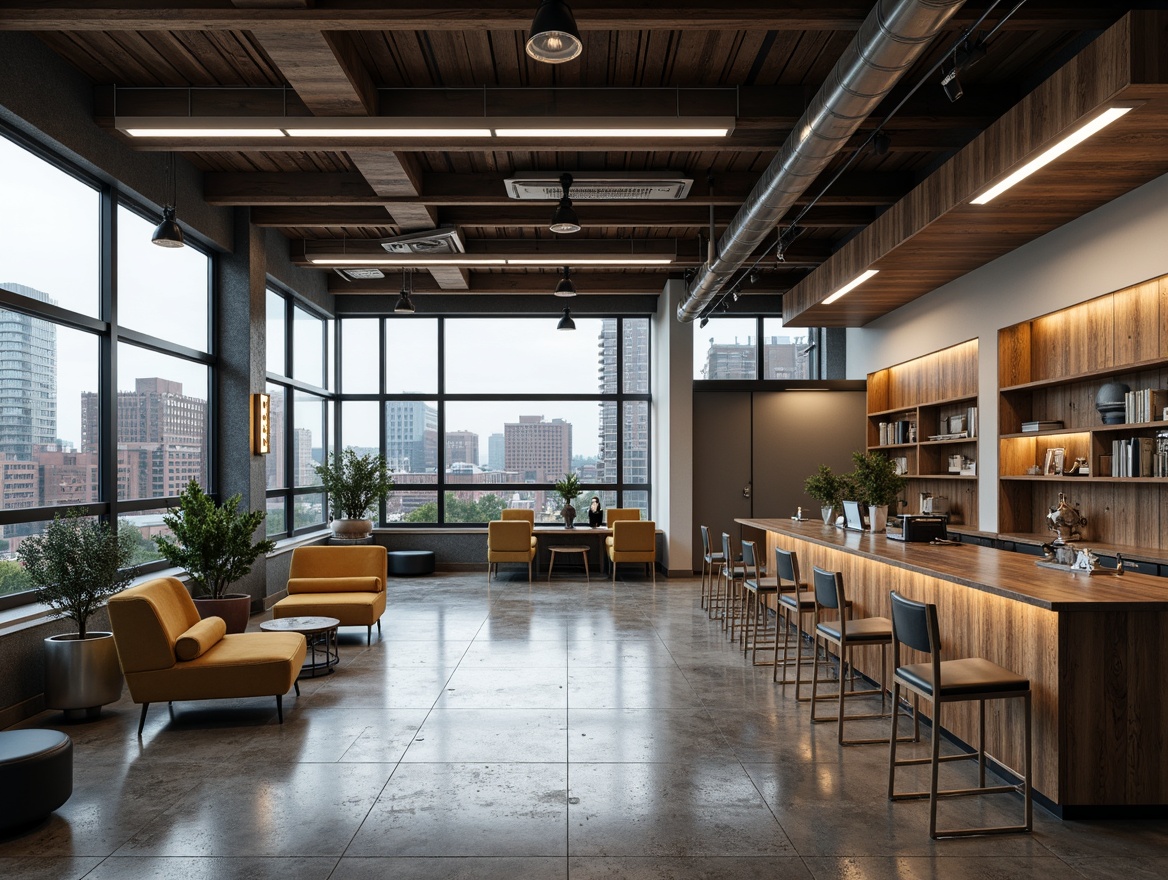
[[1094, 648]]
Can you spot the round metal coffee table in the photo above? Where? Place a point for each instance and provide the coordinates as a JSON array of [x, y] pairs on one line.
[[321, 635]]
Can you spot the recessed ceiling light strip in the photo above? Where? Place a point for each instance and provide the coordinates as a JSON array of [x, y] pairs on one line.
[[850, 286]]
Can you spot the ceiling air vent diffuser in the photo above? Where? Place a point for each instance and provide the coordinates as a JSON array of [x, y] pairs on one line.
[[360, 273], [615, 186], [443, 240]]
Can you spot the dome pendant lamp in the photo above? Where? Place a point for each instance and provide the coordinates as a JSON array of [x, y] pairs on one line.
[[564, 220], [404, 305], [565, 287], [566, 322], [168, 234], [554, 37]]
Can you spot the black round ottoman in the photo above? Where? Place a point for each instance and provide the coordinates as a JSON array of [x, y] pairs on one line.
[[408, 562], [36, 769]]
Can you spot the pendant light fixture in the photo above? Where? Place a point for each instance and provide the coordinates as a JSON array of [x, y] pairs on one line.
[[564, 220], [566, 322], [404, 305], [554, 37], [168, 234], [565, 287]]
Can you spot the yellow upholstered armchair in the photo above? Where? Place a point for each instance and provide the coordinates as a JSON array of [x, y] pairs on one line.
[[347, 583], [633, 541], [519, 513], [509, 540], [168, 653], [617, 514]]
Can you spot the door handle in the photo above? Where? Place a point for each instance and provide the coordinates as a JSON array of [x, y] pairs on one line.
[[746, 491]]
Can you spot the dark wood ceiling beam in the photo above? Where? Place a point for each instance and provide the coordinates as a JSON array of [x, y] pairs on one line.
[[593, 215], [436, 15], [337, 189]]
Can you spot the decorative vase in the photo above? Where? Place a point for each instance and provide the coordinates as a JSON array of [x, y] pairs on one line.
[[81, 675], [878, 516], [351, 529], [234, 608], [1110, 403], [826, 512], [569, 515]]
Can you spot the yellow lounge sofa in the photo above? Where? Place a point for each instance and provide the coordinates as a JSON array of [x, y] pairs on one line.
[[168, 653], [633, 540], [347, 583]]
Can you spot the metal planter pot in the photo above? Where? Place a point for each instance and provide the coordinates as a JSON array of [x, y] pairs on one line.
[[81, 675], [234, 608]]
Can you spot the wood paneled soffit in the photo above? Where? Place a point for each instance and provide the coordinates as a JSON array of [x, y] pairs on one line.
[[506, 15], [335, 189], [934, 235]]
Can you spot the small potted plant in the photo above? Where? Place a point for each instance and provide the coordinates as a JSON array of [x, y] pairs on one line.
[[568, 489], [877, 484], [828, 489], [354, 483], [76, 564], [214, 544]]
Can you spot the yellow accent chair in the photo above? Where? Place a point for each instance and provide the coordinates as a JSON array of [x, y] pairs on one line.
[[509, 540], [633, 540], [619, 514], [168, 653], [519, 513], [347, 583]]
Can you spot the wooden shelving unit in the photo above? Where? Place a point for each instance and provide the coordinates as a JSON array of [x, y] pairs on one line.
[[1050, 369], [927, 391]]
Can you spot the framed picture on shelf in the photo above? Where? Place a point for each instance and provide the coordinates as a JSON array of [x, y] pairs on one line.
[[1053, 463]]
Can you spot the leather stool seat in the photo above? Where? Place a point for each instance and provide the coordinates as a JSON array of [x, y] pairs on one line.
[[408, 562], [972, 675], [36, 771]]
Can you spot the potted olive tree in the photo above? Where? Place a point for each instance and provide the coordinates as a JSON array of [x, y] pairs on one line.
[[76, 564], [214, 544], [828, 489], [569, 489], [877, 484], [354, 483]]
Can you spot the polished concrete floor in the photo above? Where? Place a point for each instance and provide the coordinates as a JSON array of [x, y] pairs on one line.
[[515, 731]]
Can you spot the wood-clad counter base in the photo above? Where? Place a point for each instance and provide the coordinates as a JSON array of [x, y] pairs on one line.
[[1095, 651]]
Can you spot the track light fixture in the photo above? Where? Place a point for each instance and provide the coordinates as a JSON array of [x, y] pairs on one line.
[[881, 143], [564, 220], [566, 322], [565, 287], [168, 234], [965, 55], [405, 305], [554, 37]]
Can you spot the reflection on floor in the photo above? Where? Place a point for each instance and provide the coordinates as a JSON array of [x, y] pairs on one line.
[[543, 731]]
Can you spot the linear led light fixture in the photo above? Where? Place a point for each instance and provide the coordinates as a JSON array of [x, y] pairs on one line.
[[1048, 155], [850, 286], [424, 127], [463, 260]]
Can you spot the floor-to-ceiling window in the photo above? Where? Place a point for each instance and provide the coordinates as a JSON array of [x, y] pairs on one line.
[[105, 359], [477, 414], [729, 348], [300, 367]]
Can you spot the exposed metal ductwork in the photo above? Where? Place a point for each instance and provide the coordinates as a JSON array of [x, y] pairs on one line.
[[889, 41]]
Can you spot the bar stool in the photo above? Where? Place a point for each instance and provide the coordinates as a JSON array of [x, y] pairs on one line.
[[734, 573], [846, 633], [756, 590], [796, 602], [949, 681], [710, 561]]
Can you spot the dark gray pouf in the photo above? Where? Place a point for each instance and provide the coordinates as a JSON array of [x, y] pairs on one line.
[[36, 775], [407, 562]]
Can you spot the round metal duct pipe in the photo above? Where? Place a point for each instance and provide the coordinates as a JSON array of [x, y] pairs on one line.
[[889, 41]]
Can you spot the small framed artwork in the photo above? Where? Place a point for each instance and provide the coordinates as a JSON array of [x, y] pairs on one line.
[[1053, 463]]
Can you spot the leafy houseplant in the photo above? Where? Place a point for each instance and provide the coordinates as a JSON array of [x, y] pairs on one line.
[[76, 564], [354, 484], [826, 488], [214, 544], [568, 489], [877, 483]]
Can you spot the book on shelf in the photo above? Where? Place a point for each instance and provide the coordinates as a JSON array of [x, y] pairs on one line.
[[1031, 427], [1146, 405], [1134, 457], [971, 421], [900, 431]]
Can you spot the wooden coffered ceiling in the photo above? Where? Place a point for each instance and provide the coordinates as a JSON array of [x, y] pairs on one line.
[[758, 61]]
